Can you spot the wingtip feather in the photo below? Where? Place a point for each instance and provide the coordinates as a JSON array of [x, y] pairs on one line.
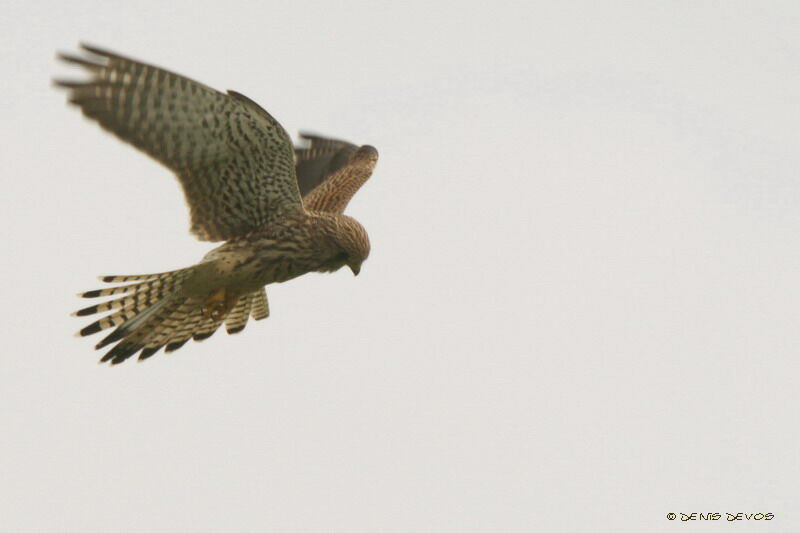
[[86, 311], [202, 336], [90, 294], [114, 336], [77, 60], [147, 353], [91, 329], [96, 50], [174, 346]]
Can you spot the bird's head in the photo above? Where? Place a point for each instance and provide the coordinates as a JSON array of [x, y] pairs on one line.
[[353, 240], [348, 243]]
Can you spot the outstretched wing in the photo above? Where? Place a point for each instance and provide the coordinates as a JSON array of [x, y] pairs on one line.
[[330, 171], [319, 157], [234, 160], [337, 188]]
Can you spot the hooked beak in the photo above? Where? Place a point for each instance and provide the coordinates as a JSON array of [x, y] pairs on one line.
[[355, 268]]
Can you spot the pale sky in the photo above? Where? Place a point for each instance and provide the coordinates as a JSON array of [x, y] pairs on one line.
[[580, 312]]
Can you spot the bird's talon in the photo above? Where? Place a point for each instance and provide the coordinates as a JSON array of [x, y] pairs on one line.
[[218, 304]]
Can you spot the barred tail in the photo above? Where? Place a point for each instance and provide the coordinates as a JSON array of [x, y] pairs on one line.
[[154, 313]]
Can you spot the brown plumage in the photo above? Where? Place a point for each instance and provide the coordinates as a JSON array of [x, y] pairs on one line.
[[280, 209]]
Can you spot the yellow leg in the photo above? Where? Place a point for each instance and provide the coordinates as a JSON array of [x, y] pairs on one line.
[[218, 304]]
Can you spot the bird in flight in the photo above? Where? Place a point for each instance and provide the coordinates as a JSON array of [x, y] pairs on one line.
[[279, 209]]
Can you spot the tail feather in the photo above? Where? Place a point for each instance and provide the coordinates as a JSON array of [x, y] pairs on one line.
[[170, 324], [181, 326], [122, 289], [189, 325], [114, 319], [161, 283], [171, 347], [140, 277], [144, 297], [154, 313], [133, 338], [132, 325], [148, 351]]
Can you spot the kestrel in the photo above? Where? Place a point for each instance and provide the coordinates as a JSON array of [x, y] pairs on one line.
[[279, 208]]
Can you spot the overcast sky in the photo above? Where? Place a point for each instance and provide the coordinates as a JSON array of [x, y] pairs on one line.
[[580, 312]]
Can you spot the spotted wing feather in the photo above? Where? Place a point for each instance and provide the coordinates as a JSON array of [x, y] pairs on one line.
[[317, 158], [234, 160], [337, 189]]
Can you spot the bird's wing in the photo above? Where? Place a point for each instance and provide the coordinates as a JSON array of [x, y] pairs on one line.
[[330, 171], [234, 160], [319, 157]]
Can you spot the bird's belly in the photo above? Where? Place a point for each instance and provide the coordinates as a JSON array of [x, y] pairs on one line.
[[247, 268]]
